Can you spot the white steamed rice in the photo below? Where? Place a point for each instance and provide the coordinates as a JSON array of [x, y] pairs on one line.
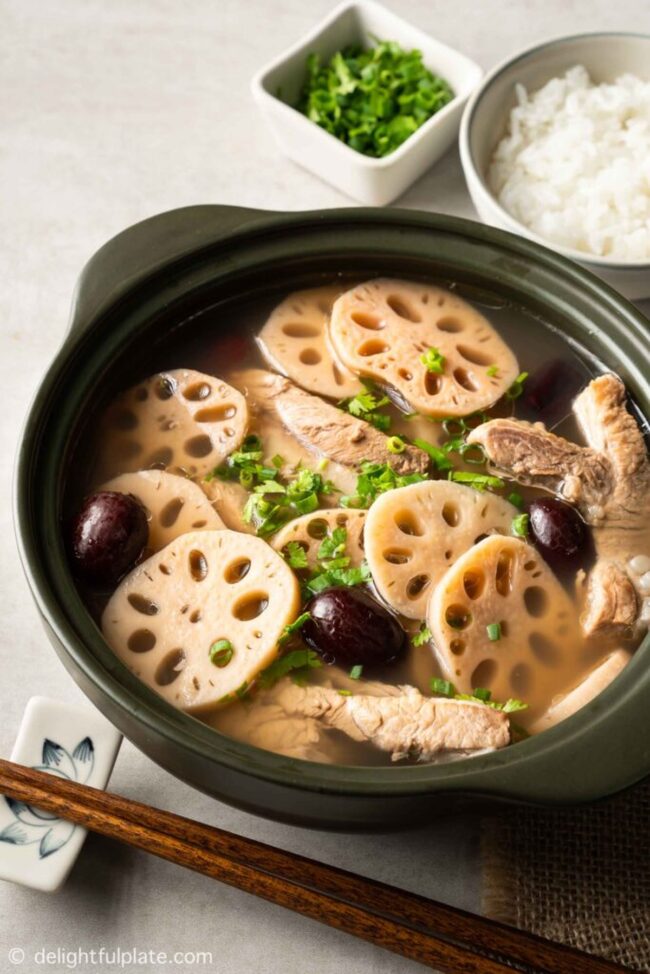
[[574, 166]]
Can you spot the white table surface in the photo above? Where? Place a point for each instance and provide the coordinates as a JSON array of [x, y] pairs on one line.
[[110, 112]]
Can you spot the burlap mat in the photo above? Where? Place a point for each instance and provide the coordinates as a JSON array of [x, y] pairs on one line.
[[580, 876]]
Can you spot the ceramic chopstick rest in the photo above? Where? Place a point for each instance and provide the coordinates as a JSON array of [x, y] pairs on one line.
[[36, 848]]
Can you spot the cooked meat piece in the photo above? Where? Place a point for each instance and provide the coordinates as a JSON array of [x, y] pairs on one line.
[[405, 724], [609, 482], [322, 428]]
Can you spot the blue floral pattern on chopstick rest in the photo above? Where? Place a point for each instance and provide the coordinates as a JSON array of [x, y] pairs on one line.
[[36, 848]]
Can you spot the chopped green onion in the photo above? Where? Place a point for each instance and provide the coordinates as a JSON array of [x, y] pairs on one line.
[[433, 360], [293, 627], [516, 499], [395, 444], [520, 525], [517, 386], [494, 631], [356, 671], [481, 693], [277, 461], [221, 652], [345, 693], [444, 687], [437, 454], [492, 370]]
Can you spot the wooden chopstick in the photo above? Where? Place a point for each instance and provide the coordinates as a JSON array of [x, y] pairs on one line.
[[440, 936]]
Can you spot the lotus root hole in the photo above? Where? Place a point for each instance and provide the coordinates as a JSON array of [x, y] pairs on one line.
[[317, 528], [143, 605], [450, 325], [198, 446], [465, 380], [536, 601], [484, 674], [504, 629], [451, 514], [165, 569], [169, 668], [215, 414], [197, 391], [397, 556], [195, 616], [125, 420], [521, 679], [199, 524], [374, 347], [160, 458], [300, 329], [341, 520], [407, 524], [544, 649], [237, 570], [474, 355], [366, 320], [165, 387], [198, 565], [310, 356], [457, 646], [504, 573], [129, 449], [417, 585], [448, 554], [457, 616], [529, 565], [402, 309], [251, 606], [141, 641], [405, 374], [474, 583], [432, 383], [170, 512]]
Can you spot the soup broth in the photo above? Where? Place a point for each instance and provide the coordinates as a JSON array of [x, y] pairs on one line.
[[225, 343]]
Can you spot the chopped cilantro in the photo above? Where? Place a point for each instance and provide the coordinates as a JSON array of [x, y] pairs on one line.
[[395, 444], [494, 631], [338, 576], [298, 660], [221, 652], [479, 481], [375, 479], [345, 693], [366, 406], [356, 671], [333, 545], [516, 499], [517, 386], [433, 360], [295, 555], [492, 370], [277, 461], [422, 636], [446, 688], [520, 525], [272, 504]]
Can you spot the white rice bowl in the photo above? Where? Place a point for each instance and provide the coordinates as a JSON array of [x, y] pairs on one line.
[[574, 166]]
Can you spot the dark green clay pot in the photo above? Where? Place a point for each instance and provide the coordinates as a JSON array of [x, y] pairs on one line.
[[157, 274]]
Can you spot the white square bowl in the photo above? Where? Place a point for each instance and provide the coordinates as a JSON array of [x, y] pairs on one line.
[[276, 88]]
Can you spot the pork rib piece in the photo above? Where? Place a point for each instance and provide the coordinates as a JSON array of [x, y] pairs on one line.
[[404, 723], [608, 481], [324, 429]]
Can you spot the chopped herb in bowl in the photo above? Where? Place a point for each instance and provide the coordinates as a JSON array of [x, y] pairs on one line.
[[373, 98]]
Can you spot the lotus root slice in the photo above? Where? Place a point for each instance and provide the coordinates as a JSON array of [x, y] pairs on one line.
[[413, 535], [204, 587], [174, 505], [310, 530], [295, 341], [504, 581], [381, 329], [181, 418]]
